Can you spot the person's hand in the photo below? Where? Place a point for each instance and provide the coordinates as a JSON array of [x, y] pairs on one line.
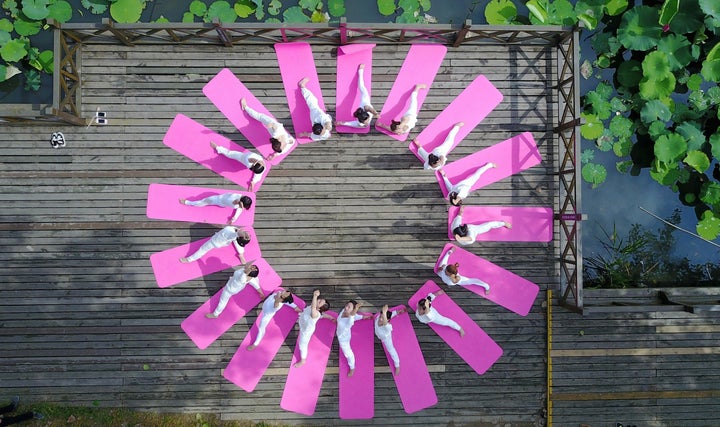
[[316, 293]]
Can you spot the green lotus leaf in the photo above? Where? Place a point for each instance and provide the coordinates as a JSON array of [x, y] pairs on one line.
[[162, 20], [96, 7], [715, 145], [6, 25], [594, 174], [692, 134], [587, 156], [310, 4], [709, 226], [13, 51], [127, 11], [561, 12], [617, 105], [222, 11], [688, 19], [409, 5], [663, 174], [605, 141], [592, 128], [657, 88], [319, 16], [697, 160], [710, 7], [623, 166], [295, 14], [639, 28], [42, 61], [678, 51], [500, 12], [259, 13], [654, 110], [589, 21], [657, 128], [656, 65], [590, 9], [694, 82], [598, 105], [629, 73], [710, 193], [11, 6], [621, 127], [408, 17], [25, 27], [35, 9], [274, 7], [244, 8], [668, 11], [337, 7], [198, 8], [698, 100], [60, 11], [538, 11], [8, 71], [622, 147], [601, 43], [32, 80], [4, 37], [670, 148], [188, 17], [713, 94], [386, 7], [616, 7]]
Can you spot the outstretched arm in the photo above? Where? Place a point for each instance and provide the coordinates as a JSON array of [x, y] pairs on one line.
[[314, 312]]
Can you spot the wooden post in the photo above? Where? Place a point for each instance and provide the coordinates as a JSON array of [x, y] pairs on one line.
[[121, 35], [460, 35], [222, 34], [343, 30]]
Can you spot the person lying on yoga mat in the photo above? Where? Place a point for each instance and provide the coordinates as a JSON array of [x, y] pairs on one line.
[[280, 139], [437, 157], [425, 313], [322, 122], [466, 234], [308, 320], [365, 112], [250, 160], [450, 274], [457, 192], [383, 330], [248, 275], [228, 235], [227, 200], [272, 305], [345, 322], [16, 419], [409, 119]]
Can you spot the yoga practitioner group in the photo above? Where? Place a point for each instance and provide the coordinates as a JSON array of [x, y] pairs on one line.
[[281, 141]]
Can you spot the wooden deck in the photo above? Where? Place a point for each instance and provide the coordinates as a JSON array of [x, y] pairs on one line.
[[83, 321]]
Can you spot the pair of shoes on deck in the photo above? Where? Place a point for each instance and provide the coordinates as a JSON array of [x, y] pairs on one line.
[[57, 140]]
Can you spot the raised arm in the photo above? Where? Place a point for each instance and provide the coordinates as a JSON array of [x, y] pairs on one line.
[[314, 312], [444, 261], [236, 214], [255, 283], [240, 251]]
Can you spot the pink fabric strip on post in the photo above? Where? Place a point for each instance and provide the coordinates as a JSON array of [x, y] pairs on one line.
[[357, 393], [476, 348], [529, 223], [347, 95], [204, 331]]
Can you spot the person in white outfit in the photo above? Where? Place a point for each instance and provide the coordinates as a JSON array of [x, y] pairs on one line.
[[322, 122], [365, 112], [466, 234], [450, 274], [272, 305], [248, 275], [345, 322], [237, 201], [457, 192], [409, 119], [425, 313], [308, 321], [280, 140], [437, 157], [228, 235], [383, 330], [250, 160]]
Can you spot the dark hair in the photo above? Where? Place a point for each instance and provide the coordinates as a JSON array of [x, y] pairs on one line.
[[422, 303], [353, 302], [461, 230], [361, 115], [394, 124], [452, 268], [288, 299], [433, 159], [325, 307], [317, 128], [276, 145], [257, 168], [389, 315], [454, 196], [246, 201], [254, 271], [242, 241]]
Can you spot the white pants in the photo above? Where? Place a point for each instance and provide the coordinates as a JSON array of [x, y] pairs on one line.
[[441, 320], [444, 148], [364, 95], [316, 114], [235, 155], [205, 248], [303, 341], [212, 200], [390, 348], [224, 299], [463, 187], [262, 118], [264, 321], [470, 281], [412, 108], [347, 351]]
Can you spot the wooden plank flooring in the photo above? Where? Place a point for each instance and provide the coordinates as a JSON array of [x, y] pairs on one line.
[[82, 319]]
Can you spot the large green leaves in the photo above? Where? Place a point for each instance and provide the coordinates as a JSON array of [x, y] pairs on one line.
[[222, 11], [697, 160], [386, 7], [127, 11], [592, 128], [500, 12], [13, 51], [295, 14], [594, 174], [670, 148], [35, 9], [677, 50], [639, 28], [668, 11], [655, 110], [336, 7], [709, 226], [60, 11], [629, 73]]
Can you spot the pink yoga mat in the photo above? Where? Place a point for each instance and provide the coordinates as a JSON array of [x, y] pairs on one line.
[[347, 95], [470, 107], [529, 223], [302, 387], [506, 289], [203, 331], [191, 139], [420, 66], [476, 348], [247, 367], [414, 384], [163, 202], [357, 393], [225, 91], [511, 156], [170, 271], [296, 62]]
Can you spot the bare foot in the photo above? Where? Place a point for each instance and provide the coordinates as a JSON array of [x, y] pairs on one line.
[[300, 363], [508, 225], [184, 260], [251, 347], [397, 371], [243, 104], [492, 165], [362, 66], [462, 332], [211, 316], [303, 82], [487, 291], [213, 145], [351, 372], [460, 124], [415, 141], [182, 201], [420, 86]]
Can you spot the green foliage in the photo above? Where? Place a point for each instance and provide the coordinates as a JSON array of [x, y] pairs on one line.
[[127, 11], [697, 160], [594, 173], [500, 12], [639, 28], [13, 51], [244, 8], [669, 10], [222, 11], [295, 14], [60, 11], [336, 7], [386, 7], [592, 128], [670, 148], [35, 9], [709, 226], [96, 7]]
